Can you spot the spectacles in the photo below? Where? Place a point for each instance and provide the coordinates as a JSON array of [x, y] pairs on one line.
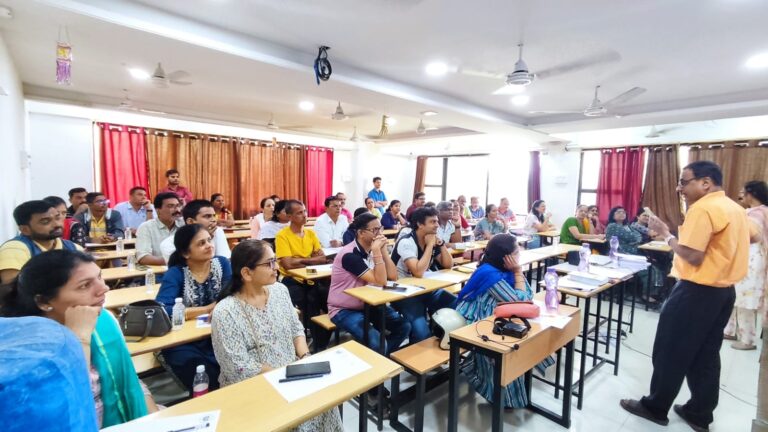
[[684, 182], [102, 202], [271, 263], [374, 230]]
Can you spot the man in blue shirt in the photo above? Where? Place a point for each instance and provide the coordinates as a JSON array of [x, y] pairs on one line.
[[137, 210], [378, 196]]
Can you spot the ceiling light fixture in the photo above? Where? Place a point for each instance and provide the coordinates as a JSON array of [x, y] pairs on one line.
[[520, 100], [391, 121], [429, 113], [421, 129], [306, 106], [139, 74], [436, 69], [355, 137], [759, 61]]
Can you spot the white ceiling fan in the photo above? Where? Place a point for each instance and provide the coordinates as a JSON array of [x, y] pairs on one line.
[[596, 108], [162, 80], [656, 133], [521, 76], [127, 105], [422, 129]]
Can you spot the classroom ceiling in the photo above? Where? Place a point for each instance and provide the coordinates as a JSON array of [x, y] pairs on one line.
[[252, 59]]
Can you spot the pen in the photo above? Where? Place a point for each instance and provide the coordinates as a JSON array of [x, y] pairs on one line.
[[191, 428], [301, 377]]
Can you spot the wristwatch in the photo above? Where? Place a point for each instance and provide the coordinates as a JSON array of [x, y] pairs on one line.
[[668, 239]]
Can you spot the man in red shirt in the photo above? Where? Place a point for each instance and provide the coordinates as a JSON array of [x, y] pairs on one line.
[[419, 199], [174, 186]]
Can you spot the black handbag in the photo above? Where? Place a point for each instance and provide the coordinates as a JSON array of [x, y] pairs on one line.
[[144, 318]]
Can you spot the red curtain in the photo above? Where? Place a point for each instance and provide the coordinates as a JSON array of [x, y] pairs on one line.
[[534, 179], [123, 160], [319, 178], [621, 180]]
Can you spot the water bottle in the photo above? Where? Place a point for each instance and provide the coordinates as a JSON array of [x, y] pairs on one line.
[[128, 234], [551, 300], [131, 262], [614, 251], [397, 226], [200, 383], [178, 314], [584, 254], [149, 278], [120, 244]]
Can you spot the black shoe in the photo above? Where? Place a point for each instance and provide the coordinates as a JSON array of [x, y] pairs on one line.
[[637, 408], [680, 410]]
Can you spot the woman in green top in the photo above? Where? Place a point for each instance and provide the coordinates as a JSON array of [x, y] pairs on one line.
[[490, 225], [573, 230], [629, 239]]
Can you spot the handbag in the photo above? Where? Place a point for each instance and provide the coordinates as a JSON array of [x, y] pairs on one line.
[[144, 318], [520, 309]]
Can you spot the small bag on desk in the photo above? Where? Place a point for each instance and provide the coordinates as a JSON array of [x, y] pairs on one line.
[[144, 318], [521, 309]]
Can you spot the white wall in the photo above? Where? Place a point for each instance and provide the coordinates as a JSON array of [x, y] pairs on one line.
[[15, 185], [61, 150], [560, 182]]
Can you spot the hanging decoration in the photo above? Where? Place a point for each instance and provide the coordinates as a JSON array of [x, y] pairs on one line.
[[63, 58]]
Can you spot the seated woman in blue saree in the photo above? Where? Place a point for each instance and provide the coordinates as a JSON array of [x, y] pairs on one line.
[[498, 278], [66, 286]]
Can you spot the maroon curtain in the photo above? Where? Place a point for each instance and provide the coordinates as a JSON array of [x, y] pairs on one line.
[[621, 180], [123, 160], [534, 179], [319, 178]]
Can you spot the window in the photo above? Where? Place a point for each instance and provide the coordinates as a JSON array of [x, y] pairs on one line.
[[447, 177], [588, 177], [434, 182]]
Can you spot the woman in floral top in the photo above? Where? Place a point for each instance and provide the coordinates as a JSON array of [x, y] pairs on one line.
[[618, 226], [197, 277]]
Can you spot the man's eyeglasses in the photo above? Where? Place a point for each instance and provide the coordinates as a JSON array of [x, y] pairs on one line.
[[101, 202], [376, 230], [684, 182], [271, 263]]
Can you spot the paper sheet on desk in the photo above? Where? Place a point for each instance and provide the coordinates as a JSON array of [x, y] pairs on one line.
[[344, 365], [565, 282], [322, 267], [331, 251], [544, 320], [202, 321], [444, 276], [204, 422]]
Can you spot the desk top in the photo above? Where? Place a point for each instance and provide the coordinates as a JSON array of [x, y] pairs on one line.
[[114, 273], [256, 402], [109, 245], [302, 274], [375, 296], [189, 333], [595, 240], [390, 232], [111, 254], [239, 234], [550, 233], [585, 294], [656, 246], [555, 250], [117, 298], [476, 245], [532, 350]]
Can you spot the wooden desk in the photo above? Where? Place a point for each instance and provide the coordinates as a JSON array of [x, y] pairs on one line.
[[255, 404], [301, 273], [478, 245], [238, 235], [115, 273], [656, 246], [242, 221], [117, 298], [189, 333], [511, 363], [112, 245], [651, 249], [390, 232], [548, 237], [111, 254], [556, 250]]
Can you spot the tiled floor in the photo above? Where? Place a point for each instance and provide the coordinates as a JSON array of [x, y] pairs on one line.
[[603, 390]]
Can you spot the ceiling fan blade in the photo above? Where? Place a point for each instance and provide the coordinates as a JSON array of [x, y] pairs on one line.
[[625, 97], [179, 75], [555, 112], [181, 83], [594, 60], [669, 129], [481, 74], [508, 89]]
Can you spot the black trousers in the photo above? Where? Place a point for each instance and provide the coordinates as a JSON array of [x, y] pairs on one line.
[[312, 300], [687, 346]]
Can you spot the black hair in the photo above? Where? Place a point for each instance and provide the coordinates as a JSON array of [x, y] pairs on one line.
[[498, 247], [429, 204], [392, 203], [136, 188], [330, 199], [359, 211], [23, 212], [488, 208], [182, 240], [192, 208], [758, 189], [275, 198], [376, 178], [418, 195], [420, 215], [40, 281], [159, 198], [246, 254], [279, 206], [264, 202], [535, 212], [91, 197], [361, 221], [290, 204], [340, 193], [171, 171], [701, 169], [593, 206], [368, 198], [216, 195], [612, 213], [73, 191], [54, 201]]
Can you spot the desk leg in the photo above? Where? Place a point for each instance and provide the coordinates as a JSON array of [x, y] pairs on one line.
[[610, 322], [453, 387], [557, 373], [363, 420], [648, 287], [383, 351], [569, 348], [597, 328], [618, 329], [583, 360], [637, 288], [498, 402], [366, 321], [529, 276]]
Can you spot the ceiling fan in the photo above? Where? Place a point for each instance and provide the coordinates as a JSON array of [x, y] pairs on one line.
[[596, 108], [521, 76], [655, 133], [162, 80], [127, 105], [422, 129]]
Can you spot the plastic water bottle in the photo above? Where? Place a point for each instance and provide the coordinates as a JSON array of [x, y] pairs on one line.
[[200, 383], [128, 234], [149, 278], [131, 261], [178, 314], [614, 251], [584, 254], [397, 226], [551, 300], [120, 244]]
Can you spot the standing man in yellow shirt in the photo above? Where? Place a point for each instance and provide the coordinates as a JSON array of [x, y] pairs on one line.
[[711, 255]]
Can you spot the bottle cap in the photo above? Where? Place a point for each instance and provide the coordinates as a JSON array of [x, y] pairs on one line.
[[178, 300], [200, 368]]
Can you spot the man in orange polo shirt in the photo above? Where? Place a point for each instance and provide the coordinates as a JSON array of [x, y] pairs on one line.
[[710, 257]]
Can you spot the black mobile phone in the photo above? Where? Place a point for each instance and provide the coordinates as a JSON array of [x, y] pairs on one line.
[[304, 369]]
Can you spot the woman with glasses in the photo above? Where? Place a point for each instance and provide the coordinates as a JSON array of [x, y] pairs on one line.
[[618, 225], [362, 262], [256, 329], [197, 277]]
